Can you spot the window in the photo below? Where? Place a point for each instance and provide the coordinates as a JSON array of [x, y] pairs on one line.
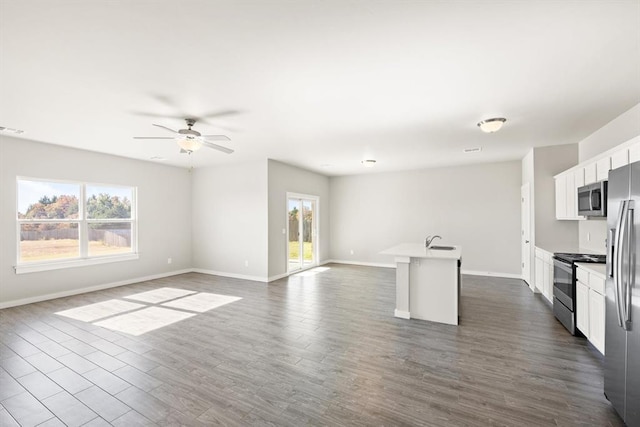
[[62, 224]]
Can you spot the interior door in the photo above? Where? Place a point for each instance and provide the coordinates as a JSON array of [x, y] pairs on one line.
[[302, 232], [525, 197]]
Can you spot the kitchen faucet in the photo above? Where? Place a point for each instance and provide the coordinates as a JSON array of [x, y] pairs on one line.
[[429, 240]]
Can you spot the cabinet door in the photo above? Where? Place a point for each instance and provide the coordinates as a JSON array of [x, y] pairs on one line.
[[590, 174], [582, 308], [571, 197], [548, 281], [602, 168], [596, 320], [539, 278], [579, 181], [561, 197], [619, 158], [634, 153]]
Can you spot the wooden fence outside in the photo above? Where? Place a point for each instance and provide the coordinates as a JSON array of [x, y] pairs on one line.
[[306, 230], [112, 237]]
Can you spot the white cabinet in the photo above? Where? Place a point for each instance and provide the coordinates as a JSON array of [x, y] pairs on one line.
[[603, 166], [544, 273], [634, 153], [567, 195], [596, 319], [590, 175], [619, 158], [590, 306], [561, 197], [582, 307]]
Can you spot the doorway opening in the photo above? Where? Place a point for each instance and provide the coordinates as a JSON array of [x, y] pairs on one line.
[[302, 236]]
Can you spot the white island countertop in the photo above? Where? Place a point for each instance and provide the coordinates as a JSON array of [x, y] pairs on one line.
[[417, 250]]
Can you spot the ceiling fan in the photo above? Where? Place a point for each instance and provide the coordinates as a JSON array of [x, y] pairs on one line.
[[190, 140]]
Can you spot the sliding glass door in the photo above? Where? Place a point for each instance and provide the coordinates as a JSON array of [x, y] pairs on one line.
[[301, 231]]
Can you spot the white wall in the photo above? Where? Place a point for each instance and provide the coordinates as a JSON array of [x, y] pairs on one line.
[[230, 220], [285, 178], [164, 201], [619, 130], [475, 206], [550, 161]]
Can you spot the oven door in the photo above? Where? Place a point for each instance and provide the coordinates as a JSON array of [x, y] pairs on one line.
[[564, 287]]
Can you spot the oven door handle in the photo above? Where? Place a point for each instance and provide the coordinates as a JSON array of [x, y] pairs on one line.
[[617, 258]]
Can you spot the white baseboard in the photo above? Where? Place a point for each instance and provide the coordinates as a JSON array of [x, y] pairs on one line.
[[492, 274], [362, 263], [402, 314], [231, 275], [278, 276], [71, 292]]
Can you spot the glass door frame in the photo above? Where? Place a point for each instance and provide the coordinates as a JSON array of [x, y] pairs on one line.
[[315, 231]]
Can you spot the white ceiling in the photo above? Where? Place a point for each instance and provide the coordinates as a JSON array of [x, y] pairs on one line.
[[319, 84]]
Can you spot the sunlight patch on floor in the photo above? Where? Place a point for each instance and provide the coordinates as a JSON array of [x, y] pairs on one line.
[[177, 304], [91, 312], [160, 295], [201, 302], [312, 271], [142, 321]]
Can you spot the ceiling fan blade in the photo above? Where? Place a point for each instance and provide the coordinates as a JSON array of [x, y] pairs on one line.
[[182, 151], [153, 137], [164, 116], [217, 137], [164, 127], [221, 113], [217, 147]]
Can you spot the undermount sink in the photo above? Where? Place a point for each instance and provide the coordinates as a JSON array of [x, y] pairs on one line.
[[442, 248]]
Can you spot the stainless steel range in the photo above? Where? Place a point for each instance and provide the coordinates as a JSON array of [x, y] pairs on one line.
[[564, 286]]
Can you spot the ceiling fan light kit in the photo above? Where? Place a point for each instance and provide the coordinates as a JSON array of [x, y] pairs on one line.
[[190, 144], [492, 125]]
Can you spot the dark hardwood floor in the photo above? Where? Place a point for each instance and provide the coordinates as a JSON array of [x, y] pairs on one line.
[[318, 348]]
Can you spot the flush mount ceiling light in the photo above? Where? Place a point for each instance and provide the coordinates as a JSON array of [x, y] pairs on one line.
[[368, 163], [492, 125]]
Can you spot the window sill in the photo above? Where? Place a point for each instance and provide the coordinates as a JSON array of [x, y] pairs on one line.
[[59, 265]]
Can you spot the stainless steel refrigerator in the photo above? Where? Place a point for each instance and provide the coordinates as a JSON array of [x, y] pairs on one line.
[[622, 332]]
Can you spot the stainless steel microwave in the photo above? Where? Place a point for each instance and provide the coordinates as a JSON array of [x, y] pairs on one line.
[[592, 199]]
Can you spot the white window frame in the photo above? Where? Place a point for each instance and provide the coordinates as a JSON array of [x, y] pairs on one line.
[[83, 222]]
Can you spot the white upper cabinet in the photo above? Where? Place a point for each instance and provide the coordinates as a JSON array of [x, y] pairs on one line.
[[603, 166], [592, 170], [572, 201], [634, 153], [620, 158], [590, 173], [561, 197], [579, 174], [567, 194]]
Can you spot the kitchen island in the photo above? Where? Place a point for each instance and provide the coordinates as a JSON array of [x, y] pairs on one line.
[[427, 282]]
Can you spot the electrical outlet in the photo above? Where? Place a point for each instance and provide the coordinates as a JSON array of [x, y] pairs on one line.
[[246, 263], [284, 231], [588, 237], [169, 260], [351, 251]]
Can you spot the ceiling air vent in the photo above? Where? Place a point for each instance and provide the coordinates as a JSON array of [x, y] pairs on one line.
[[472, 150], [11, 130]]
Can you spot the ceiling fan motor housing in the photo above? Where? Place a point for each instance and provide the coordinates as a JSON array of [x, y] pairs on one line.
[[189, 132]]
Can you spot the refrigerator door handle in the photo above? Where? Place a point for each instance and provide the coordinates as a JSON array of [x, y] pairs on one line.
[[629, 283], [617, 258], [610, 246]]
